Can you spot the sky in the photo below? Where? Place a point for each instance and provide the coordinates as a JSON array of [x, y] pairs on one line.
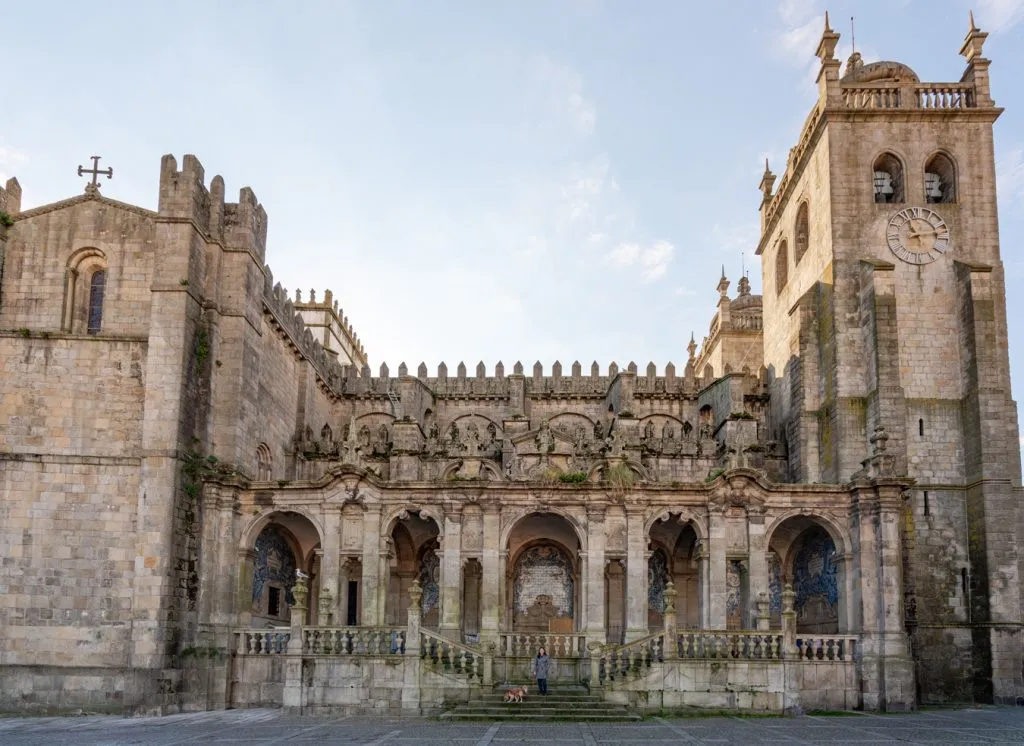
[[530, 180]]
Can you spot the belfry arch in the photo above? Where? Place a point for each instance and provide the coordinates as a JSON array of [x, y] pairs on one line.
[[276, 546], [413, 556]]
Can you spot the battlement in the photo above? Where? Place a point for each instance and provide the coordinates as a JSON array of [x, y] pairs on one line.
[[289, 320], [10, 197], [183, 194], [335, 331], [596, 383]]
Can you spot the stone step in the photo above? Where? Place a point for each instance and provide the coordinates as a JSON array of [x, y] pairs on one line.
[[544, 702], [539, 717]]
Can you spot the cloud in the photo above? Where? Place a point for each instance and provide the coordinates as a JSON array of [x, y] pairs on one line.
[[652, 261], [794, 12], [998, 16], [563, 88]]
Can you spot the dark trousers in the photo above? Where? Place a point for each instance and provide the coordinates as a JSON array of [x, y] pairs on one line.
[[542, 686]]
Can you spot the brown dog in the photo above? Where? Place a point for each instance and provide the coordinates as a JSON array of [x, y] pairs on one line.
[[515, 694]]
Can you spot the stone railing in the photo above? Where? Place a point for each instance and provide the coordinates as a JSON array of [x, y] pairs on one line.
[[262, 641], [454, 657], [557, 646], [378, 641], [916, 96], [616, 662], [732, 645], [826, 647], [944, 96]]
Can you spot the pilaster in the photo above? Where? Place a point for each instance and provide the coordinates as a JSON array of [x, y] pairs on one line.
[[595, 589], [490, 564], [636, 574], [718, 593], [451, 573], [371, 581]]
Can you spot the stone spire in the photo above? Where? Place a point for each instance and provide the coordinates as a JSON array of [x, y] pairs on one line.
[[977, 65], [723, 286], [828, 74], [743, 286], [767, 183], [692, 347]]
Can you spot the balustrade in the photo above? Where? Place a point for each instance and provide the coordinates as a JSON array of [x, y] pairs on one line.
[[262, 641], [557, 646], [826, 648], [702, 644], [353, 641], [451, 656]]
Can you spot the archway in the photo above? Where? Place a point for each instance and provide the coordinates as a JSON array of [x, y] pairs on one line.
[[414, 542], [282, 543], [809, 557], [675, 556], [543, 593]]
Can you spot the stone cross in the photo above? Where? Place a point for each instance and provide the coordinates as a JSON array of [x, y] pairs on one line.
[[96, 172]]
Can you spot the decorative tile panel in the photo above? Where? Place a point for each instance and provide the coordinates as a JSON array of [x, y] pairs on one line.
[[543, 586], [274, 561]]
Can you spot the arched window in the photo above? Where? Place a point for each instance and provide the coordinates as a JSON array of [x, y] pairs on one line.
[[888, 179], [801, 233], [97, 286], [939, 180], [85, 285], [264, 466], [781, 268]]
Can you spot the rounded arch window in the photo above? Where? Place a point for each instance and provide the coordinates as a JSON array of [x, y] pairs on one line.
[[781, 268], [887, 179], [801, 232], [939, 180]]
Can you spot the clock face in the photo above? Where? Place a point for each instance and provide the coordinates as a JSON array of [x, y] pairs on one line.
[[917, 235]]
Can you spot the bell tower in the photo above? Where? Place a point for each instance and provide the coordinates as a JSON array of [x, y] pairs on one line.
[[886, 330]]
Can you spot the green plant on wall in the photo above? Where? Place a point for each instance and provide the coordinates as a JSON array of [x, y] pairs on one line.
[[6, 220], [573, 477]]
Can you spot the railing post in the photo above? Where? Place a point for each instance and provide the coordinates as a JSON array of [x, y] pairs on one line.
[[668, 645], [763, 612], [596, 650], [487, 674], [789, 621], [413, 618], [292, 698], [298, 617], [325, 606]]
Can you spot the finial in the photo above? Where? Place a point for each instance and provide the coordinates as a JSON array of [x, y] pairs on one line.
[[970, 14], [827, 27], [723, 271], [975, 41]]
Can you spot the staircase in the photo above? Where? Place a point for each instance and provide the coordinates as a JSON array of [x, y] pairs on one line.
[[565, 702]]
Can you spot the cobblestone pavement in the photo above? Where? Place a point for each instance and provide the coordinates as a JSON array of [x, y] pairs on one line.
[[257, 727]]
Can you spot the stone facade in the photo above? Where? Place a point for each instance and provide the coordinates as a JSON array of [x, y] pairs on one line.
[[210, 501]]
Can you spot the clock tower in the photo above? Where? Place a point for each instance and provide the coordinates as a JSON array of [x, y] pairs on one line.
[[885, 341]]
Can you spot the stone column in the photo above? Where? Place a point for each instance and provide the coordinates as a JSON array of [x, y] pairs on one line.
[[595, 583], [490, 583], [764, 616], [451, 574], [505, 613], [718, 591], [899, 671], [704, 583], [330, 561], [636, 574], [789, 622], [757, 562], [371, 581], [669, 618], [246, 560]]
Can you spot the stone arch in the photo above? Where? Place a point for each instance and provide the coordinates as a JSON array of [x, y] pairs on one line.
[[81, 305], [277, 544], [887, 178], [524, 513], [840, 535], [680, 542], [402, 512], [940, 178], [811, 551]]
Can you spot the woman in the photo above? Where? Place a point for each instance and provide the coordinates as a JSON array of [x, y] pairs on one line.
[[540, 666]]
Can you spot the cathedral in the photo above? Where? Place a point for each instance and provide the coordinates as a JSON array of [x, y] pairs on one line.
[[210, 499]]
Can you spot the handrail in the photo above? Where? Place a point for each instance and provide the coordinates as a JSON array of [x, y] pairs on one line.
[[457, 657], [619, 660], [826, 647]]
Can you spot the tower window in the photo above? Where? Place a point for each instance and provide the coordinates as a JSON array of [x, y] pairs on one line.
[[801, 233], [927, 508], [97, 286], [888, 179], [939, 180], [920, 428], [781, 268]]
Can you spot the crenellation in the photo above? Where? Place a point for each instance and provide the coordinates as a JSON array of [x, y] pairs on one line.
[[10, 198]]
